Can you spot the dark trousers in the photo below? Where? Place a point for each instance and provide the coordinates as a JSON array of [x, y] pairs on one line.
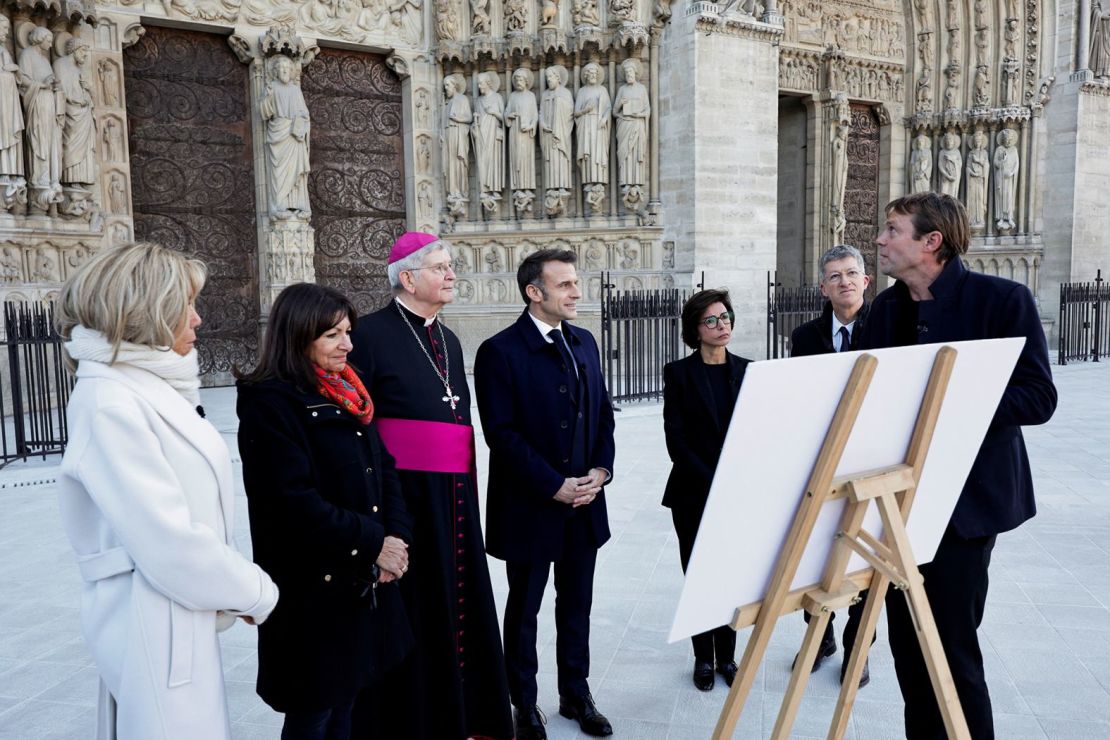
[[855, 616], [574, 591], [719, 643], [956, 585], [326, 724]]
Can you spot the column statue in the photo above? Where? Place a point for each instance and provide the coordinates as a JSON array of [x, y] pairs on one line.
[[43, 120], [79, 165], [488, 131], [287, 135], [978, 173], [1100, 38], [921, 163], [454, 143], [838, 179], [13, 187], [1006, 164], [521, 117], [591, 112], [632, 109], [950, 164], [556, 125]]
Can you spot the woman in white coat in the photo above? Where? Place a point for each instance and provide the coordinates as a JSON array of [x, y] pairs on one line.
[[147, 499]]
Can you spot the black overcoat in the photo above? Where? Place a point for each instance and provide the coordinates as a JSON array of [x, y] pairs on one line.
[[998, 494], [814, 337], [323, 494]]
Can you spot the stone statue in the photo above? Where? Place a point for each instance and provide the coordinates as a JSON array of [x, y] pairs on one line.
[[632, 110], [521, 117], [621, 10], [591, 113], [407, 16], [584, 13], [516, 16], [43, 120], [117, 195], [79, 166], [978, 173], [479, 18], [488, 131], [1011, 74], [952, 87], [924, 93], [556, 125], [1006, 164], [838, 180], [287, 134], [11, 124], [950, 164], [1100, 38], [549, 15], [921, 163], [447, 20], [109, 82], [982, 85], [113, 144], [454, 143]]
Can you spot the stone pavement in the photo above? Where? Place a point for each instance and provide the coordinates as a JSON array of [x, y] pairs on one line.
[[1046, 636]]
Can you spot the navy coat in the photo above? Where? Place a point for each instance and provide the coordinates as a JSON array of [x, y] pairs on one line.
[[815, 337], [998, 494], [527, 412]]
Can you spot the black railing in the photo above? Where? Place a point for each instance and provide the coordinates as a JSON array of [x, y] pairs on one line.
[[787, 309], [1084, 330], [641, 331], [37, 387]]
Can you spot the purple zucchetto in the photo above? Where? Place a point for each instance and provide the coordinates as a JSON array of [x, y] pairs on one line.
[[409, 242]]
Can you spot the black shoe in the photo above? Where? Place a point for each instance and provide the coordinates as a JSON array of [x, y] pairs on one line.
[[583, 709], [529, 723], [864, 678], [824, 650], [703, 675], [728, 671]]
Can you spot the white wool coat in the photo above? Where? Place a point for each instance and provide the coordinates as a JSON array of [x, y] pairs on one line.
[[147, 500]]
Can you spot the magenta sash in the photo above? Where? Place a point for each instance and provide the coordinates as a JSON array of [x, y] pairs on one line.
[[430, 446]]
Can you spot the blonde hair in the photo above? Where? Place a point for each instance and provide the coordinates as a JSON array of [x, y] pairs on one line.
[[138, 293]]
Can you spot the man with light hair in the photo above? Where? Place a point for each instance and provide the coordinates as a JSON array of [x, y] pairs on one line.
[[453, 685]]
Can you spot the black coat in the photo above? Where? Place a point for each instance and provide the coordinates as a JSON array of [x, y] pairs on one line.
[[323, 494], [998, 494], [815, 337], [694, 434], [527, 417]]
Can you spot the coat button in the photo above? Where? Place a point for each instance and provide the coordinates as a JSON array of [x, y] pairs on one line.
[[579, 414], [563, 424], [354, 552], [374, 509], [314, 413], [327, 579], [369, 470], [562, 389], [566, 459], [359, 433], [337, 411]]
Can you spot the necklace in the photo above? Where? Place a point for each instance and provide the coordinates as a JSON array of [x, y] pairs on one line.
[[444, 377]]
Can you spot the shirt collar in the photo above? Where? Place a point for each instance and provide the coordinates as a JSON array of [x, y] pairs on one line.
[[544, 328], [427, 322], [850, 326]]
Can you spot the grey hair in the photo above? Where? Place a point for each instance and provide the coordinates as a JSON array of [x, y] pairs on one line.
[[839, 252], [414, 261]]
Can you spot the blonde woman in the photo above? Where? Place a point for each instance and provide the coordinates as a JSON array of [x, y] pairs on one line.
[[147, 500]]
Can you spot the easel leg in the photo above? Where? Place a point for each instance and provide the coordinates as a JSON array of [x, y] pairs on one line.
[[803, 665], [849, 687]]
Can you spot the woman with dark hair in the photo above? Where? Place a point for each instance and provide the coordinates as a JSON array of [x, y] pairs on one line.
[[699, 393], [328, 521]]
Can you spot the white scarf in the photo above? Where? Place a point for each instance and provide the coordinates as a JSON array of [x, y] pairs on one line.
[[182, 373]]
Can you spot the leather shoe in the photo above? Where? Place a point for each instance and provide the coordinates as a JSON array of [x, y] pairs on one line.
[[529, 723], [864, 678], [703, 675], [728, 671], [583, 709], [824, 650]]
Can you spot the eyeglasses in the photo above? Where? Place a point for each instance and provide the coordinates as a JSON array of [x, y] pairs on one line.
[[837, 278], [712, 321], [442, 268]]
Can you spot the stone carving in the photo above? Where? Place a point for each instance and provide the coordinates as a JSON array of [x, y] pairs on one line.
[[978, 173], [950, 164], [11, 264], [630, 255], [424, 196], [407, 16], [117, 195], [479, 18], [632, 109], [982, 85], [119, 234], [460, 264], [488, 131], [109, 82], [287, 139], [43, 119], [516, 16], [621, 11], [1011, 35], [454, 143], [952, 87], [521, 117], [113, 140], [838, 180], [556, 125], [591, 256], [46, 265], [592, 109], [1100, 39], [493, 260], [79, 165], [549, 15], [921, 163], [797, 73], [423, 108], [448, 27], [423, 155], [11, 126], [1011, 69], [584, 13], [1006, 164]]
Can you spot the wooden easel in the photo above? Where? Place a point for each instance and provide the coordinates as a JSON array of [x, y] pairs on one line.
[[892, 564]]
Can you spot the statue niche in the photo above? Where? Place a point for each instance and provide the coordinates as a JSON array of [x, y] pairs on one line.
[[950, 164], [592, 109], [521, 118], [978, 173], [556, 125], [632, 109], [454, 142], [488, 131], [287, 138], [1006, 164], [921, 163]]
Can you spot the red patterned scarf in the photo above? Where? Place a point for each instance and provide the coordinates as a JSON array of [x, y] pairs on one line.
[[345, 389]]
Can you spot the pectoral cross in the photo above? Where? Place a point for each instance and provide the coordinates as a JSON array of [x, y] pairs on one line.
[[450, 397]]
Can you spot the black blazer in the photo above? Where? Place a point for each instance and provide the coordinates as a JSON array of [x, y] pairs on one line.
[[323, 494], [694, 435], [998, 494], [815, 337], [528, 420]]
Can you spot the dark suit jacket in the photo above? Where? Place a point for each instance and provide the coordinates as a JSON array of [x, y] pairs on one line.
[[815, 337], [694, 436], [998, 494], [528, 418]]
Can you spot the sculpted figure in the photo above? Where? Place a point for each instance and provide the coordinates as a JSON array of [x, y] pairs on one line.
[[109, 82], [622, 10], [516, 16], [113, 142], [1100, 38], [287, 133], [924, 92], [1006, 164], [592, 109], [43, 119], [79, 131], [556, 125], [952, 87], [447, 21], [488, 130], [454, 143], [982, 86], [838, 180], [479, 17], [632, 110], [11, 121], [950, 164], [978, 173], [407, 16], [921, 163], [549, 14], [117, 195], [522, 117], [584, 13]]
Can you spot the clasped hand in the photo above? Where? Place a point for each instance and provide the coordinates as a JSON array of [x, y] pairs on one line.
[[393, 559], [581, 491]]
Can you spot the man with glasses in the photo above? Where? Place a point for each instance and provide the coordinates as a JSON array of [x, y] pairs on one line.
[[843, 282], [453, 685]]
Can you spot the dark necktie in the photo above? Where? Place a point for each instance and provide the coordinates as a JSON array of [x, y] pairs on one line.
[[564, 349], [845, 339]]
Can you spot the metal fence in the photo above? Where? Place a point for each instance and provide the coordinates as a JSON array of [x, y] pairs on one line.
[[787, 309], [1084, 330], [35, 386], [641, 331]]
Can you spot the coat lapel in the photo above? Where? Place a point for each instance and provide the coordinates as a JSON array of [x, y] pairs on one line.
[[700, 379]]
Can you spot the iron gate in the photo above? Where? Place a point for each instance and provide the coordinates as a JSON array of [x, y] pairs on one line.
[[1084, 330], [787, 309]]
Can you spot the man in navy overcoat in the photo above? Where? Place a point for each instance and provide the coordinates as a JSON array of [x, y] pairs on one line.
[[548, 423]]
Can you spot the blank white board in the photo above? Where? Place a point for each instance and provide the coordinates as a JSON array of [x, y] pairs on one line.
[[781, 418]]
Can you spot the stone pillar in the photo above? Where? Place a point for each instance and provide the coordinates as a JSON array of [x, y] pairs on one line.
[[720, 188]]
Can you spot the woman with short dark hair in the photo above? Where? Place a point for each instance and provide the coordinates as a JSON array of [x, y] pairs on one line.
[[699, 393], [328, 521]]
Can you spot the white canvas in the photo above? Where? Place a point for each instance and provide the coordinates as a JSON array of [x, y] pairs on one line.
[[781, 418]]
